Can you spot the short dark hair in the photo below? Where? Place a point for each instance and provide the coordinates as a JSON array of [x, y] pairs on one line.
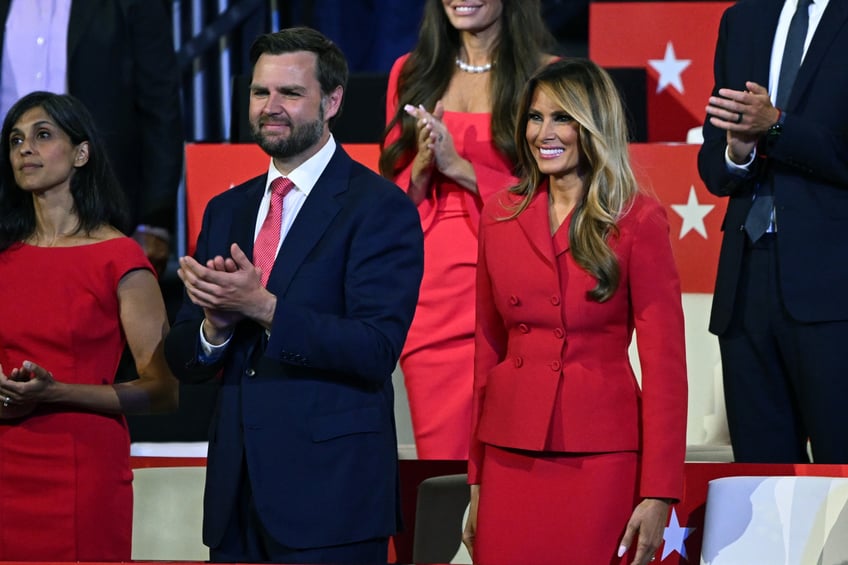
[[331, 69], [98, 198]]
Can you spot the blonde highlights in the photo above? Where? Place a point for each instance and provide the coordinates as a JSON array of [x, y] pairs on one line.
[[587, 93]]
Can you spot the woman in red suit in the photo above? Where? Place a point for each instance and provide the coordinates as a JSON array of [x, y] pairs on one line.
[[449, 144], [73, 291], [571, 462]]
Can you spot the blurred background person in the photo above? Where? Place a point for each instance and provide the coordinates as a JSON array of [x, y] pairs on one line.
[[117, 57], [449, 145], [572, 260], [73, 291]]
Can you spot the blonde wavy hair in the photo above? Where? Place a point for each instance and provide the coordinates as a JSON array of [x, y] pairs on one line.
[[587, 93]]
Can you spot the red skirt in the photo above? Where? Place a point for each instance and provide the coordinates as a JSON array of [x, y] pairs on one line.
[[554, 508]]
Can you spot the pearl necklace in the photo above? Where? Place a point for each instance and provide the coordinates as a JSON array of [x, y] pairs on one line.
[[465, 67]]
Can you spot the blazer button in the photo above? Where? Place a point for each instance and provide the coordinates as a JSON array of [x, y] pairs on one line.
[[519, 361], [558, 333], [555, 300], [523, 328], [249, 372], [514, 301], [555, 366]]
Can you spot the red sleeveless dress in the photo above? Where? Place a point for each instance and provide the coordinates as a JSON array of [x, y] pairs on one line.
[[438, 358], [65, 476]]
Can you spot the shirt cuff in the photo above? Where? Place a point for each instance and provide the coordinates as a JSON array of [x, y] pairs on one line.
[[209, 353], [735, 168]]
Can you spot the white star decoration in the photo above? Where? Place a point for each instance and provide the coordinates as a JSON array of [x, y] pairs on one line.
[[675, 537], [669, 68], [693, 214]]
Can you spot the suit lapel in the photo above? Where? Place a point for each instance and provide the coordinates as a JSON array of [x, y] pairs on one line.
[[536, 224], [832, 22], [312, 221], [244, 220], [763, 41]]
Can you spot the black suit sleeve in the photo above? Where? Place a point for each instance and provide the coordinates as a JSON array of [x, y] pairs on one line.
[[155, 87]]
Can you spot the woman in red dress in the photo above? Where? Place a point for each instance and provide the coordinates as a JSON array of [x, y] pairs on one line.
[[449, 144], [73, 291], [571, 461]]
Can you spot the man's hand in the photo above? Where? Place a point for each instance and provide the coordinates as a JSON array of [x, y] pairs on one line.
[[745, 116], [228, 290]]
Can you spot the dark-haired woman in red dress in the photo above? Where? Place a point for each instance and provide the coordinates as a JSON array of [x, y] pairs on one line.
[[73, 291]]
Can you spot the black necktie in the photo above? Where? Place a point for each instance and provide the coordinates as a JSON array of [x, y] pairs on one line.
[[759, 217], [792, 52]]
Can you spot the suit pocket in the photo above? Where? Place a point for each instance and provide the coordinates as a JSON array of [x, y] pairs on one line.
[[360, 421]]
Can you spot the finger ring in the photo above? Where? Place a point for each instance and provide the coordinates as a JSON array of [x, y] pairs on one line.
[[739, 118], [6, 402]]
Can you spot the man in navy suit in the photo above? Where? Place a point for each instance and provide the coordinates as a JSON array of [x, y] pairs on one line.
[[302, 464], [780, 307]]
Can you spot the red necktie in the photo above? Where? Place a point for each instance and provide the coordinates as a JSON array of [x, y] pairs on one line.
[[265, 246]]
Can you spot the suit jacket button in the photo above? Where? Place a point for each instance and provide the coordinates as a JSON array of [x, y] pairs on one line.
[[514, 301], [555, 300], [555, 366], [558, 333], [519, 361], [523, 328], [249, 372]]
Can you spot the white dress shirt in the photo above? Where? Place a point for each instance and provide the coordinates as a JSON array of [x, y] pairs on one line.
[[816, 9], [304, 178]]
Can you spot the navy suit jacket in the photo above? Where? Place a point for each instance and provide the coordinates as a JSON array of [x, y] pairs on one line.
[[310, 409], [122, 66], [808, 165]]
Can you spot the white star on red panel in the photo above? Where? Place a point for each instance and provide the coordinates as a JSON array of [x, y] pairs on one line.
[[670, 69], [693, 213]]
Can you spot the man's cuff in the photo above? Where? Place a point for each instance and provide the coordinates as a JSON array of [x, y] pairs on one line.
[[743, 169], [209, 353]]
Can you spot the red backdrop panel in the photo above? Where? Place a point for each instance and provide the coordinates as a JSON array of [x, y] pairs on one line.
[[213, 168], [668, 170], [679, 38]]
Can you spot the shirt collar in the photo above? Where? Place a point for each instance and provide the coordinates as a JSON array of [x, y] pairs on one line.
[[306, 175]]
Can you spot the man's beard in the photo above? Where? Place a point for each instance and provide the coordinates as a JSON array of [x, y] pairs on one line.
[[301, 138]]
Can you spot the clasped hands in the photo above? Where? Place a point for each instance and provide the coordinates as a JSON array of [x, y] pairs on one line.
[[24, 388], [229, 290], [436, 151], [744, 115], [434, 140]]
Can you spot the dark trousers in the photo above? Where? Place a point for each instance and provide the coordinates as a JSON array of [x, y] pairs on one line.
[[784, 381], [247, 541]]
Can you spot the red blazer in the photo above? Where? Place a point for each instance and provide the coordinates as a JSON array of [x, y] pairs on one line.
[[551, 366]]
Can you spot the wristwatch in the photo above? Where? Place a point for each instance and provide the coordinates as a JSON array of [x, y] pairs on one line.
[[773, 133]]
